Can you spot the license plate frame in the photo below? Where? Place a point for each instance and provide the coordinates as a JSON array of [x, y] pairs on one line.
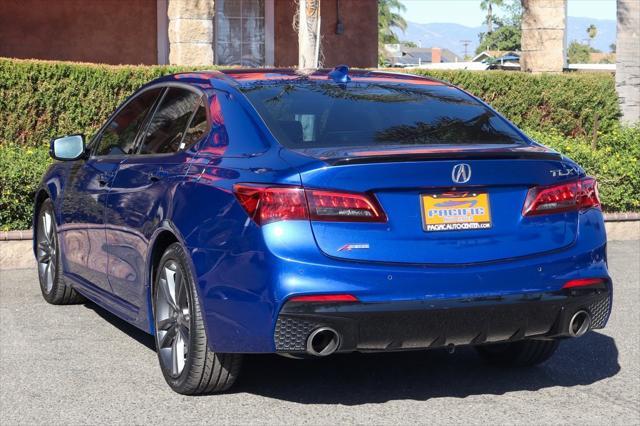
[[455, 211]]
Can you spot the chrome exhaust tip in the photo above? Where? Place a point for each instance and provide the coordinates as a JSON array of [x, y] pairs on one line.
[[323, 341], [579, 323]]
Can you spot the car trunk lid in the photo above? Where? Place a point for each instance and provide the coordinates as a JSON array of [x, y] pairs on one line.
[[408, 185]]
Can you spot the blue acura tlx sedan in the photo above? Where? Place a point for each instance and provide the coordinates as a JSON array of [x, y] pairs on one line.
[[320, 212]]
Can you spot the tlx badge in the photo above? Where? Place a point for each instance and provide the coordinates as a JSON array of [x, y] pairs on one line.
[[568, 171]]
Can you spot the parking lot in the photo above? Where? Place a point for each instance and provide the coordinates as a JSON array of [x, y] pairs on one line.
[[80, 364]]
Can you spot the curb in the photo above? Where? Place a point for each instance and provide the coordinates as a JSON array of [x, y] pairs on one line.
[[621, 217], [16, 235]]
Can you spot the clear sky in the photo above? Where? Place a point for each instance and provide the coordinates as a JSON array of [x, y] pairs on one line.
[[468, 12]]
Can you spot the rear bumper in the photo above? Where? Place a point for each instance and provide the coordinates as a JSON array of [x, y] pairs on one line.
[[244, 293], [392, 326]]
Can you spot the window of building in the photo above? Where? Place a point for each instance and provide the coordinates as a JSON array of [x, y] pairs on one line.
[[240, 32]]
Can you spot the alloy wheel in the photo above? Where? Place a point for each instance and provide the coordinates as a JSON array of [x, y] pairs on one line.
[[47, 251], [172, 318]]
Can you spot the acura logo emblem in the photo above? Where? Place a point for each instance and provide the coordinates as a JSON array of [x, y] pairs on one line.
[[461, 173]]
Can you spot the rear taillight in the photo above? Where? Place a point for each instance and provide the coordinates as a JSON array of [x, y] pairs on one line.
[[266, 204], [271, 204], [576, 195], [342, 206]]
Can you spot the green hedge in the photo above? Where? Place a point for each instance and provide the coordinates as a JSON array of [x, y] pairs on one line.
[[20, 172], [40, 100], [565, 103], [615, 162]]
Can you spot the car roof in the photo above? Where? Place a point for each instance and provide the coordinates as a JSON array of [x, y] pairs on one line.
[[249, 76]]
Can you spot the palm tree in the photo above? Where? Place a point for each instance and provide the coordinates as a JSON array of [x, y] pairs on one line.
[[488, 6], [628, 60], [308, 33], [389, 18], [542, 23], [592, 31]]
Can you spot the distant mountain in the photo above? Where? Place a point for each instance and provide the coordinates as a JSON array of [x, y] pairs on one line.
[[444, 35], [450, 35]]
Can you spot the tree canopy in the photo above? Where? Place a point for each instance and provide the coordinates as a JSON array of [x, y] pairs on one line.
[[579, 53], [488, 6], [508, 33], [389, 20], [592, 32]]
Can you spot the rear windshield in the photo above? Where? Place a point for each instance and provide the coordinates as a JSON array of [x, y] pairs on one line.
[[312, 114]]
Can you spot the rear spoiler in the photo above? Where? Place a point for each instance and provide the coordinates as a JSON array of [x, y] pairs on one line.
[[451, 155]]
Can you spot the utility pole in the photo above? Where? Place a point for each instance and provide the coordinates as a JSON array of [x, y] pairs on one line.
[[465, 43]]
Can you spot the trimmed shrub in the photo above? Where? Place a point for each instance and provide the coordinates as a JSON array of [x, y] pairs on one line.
[[570, 104], [615, 162], [21, 169], [40, 100]]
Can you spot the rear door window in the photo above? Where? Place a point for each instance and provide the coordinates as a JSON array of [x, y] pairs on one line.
[[167, 128], [198, 126]]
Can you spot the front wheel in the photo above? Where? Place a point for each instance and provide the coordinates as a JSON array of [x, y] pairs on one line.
[[54, 289], [187, 363], [523, 353]]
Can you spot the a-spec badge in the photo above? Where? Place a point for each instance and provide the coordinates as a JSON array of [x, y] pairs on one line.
[[349, 247]]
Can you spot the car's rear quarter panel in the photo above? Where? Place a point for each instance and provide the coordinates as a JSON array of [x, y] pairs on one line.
[[230, 258]]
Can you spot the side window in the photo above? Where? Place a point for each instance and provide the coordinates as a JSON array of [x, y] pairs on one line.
[[118, 138], [167, 127], [197, 128], [239, 133]]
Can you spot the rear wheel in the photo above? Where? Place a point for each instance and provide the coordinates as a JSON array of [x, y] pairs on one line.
[[519, 354], [54, 289], [187, 363]]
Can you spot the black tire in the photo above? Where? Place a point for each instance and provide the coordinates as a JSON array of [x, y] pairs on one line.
[[523, 353], [52, 284], [203, 370]]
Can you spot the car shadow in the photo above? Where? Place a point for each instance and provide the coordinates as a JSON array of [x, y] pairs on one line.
[[132, 331], [354, 379], [358, 378]]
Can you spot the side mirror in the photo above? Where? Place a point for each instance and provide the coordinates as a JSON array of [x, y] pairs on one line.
[[67, 148]]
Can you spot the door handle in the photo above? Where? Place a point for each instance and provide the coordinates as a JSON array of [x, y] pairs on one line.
[[157, 175], [104, 178]]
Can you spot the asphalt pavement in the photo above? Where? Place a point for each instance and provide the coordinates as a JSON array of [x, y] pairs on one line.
[[79, 364]]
